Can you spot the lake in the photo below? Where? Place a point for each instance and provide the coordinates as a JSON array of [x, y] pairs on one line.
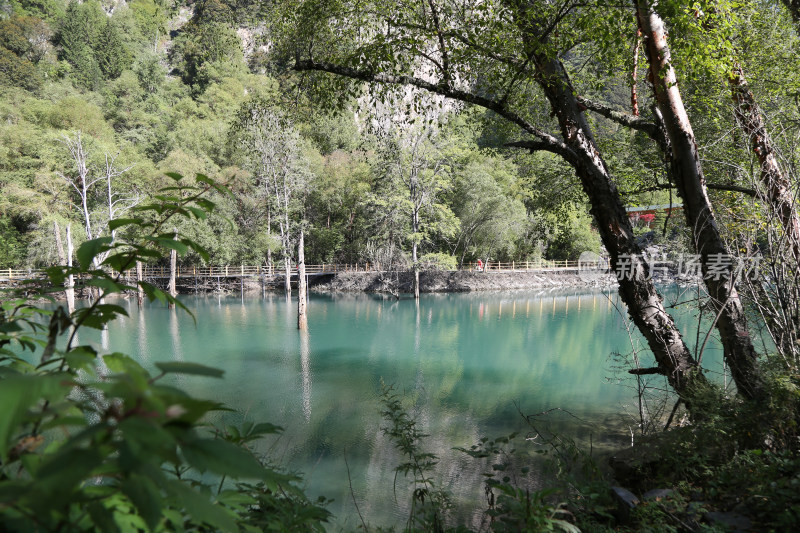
[[469, 364]]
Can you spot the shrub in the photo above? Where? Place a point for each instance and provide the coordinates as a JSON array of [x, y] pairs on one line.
[[438, 261]]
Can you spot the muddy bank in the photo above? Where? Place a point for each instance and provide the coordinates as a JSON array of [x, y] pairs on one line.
[[462, 281]]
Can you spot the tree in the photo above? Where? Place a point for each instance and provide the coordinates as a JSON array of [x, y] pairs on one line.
[[274, 154], [412, 175], [493, 54], [83, 179], [79, 37], [491, 222]]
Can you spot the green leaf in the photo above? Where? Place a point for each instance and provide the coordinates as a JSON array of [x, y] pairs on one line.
[[98, 316], [174, 175], [119, 363], [153, 293], [202, 509], [81, 357], [62, 472], [121, 222], [145, 496], [172, 244], [89, 250], [222, 457], [195, 369], [109, 286], [102, 518], [18, 394]]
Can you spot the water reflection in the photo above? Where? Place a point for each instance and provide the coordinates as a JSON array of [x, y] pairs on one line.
[[467, 363], [305, 365]]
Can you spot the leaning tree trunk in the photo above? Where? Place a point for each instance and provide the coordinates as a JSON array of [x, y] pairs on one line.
[[686, 170], [636, 289], [302, 318], [778, 189]]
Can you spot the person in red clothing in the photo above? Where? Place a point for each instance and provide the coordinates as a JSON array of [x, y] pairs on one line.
[[480, 265]]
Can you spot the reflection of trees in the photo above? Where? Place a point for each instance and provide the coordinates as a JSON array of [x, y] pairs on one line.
[[462, 373]]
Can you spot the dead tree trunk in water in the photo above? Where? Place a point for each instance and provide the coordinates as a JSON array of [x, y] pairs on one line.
[[686, 170], [173, 264], [140, 290], [302, 318], [70, 292]]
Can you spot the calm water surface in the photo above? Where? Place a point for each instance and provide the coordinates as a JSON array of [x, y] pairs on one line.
[[469, 364]]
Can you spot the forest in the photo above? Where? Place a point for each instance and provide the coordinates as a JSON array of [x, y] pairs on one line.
[[414, 135], [101, 99]]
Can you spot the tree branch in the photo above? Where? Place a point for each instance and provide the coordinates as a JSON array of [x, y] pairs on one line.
[[620, 117], [712, 186], [645, 371], [549, 142]]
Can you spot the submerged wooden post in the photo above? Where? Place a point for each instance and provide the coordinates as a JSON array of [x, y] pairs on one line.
[[302, 318]]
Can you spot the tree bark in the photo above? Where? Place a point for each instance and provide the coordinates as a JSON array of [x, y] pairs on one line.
[[635, 286], [140, 290], [686, 170], [70, 292], [269, 240], [287, 269], [415, 266], [173, 263], [59, 246], [778, 189], [302, 318]]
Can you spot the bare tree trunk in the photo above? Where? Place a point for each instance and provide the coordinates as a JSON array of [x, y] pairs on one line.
[[635, 76], [173, 267], [302, 318], [139, 279], [778, 189], [415, 266], [717, 268], [269, 239], [59, 246], [70, 278]]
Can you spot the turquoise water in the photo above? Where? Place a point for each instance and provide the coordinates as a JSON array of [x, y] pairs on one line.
[[469, 365]]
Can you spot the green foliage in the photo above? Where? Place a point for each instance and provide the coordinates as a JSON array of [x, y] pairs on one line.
[[94, 441], [574, 236], [429, 503], [12, 247], [438, 261], [22, 45], [512, 505], [79, 37], [205, 51]]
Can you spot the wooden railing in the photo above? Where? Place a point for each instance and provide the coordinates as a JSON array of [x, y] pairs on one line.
[[9, 274]]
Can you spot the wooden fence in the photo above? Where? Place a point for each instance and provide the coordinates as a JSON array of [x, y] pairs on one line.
[[9, 275]]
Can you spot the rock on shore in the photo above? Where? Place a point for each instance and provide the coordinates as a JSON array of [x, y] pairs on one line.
[[461, 281]]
